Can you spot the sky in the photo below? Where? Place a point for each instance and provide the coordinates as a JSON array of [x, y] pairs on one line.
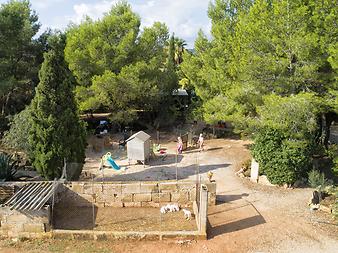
[[183, 17]]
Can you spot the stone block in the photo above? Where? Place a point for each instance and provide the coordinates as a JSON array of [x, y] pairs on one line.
[[180, 197], [127, 198], [112, 188], [92, 188], [186, 187], [264, 181], [106, 198], [192, 195], [77, 187], [168, 187], [131, 188], [34, 228], [100, 204], [160, 197], [211, 199], [132, 204], [148, 187], [211, 187], [83, 236], [142, 197], [16, 218]]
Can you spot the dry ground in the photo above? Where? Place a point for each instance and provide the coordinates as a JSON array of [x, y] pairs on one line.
[[248, 217], [121, 219]]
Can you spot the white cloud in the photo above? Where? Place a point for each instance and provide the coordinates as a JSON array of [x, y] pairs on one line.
[[43, 4], [94, 11], [183, 17]]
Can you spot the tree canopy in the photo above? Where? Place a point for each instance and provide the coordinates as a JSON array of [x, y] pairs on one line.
[[120, 69], [18, 55], [262, 47], [56, 131]]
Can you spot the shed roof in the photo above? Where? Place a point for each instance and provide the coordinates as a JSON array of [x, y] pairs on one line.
[[180, 92], [140, 135], [32, 196]]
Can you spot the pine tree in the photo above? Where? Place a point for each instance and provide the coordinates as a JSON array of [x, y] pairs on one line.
[[171, 53], [57, 132]]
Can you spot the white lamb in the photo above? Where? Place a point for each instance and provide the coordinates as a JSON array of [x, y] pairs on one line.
[[163, 209], [173, 208], [169, 208], [187, 214]]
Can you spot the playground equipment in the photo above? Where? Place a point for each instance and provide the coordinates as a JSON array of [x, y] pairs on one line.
[[108, 160]]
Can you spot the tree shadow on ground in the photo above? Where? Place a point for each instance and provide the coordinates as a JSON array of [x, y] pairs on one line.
[[196, 150], [224, 206], [235, 226], [165, 159], [164, 173], [220, 199]]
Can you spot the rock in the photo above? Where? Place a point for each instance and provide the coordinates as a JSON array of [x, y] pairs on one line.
[[299, 183], [264, 180]]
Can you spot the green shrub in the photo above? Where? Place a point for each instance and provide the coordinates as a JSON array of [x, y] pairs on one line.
[[335, 206], [8, 167], [332, 153], [317, 179], [17, 136], [281, 159]]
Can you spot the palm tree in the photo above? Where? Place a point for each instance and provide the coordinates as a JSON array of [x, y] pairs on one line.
[[179, 49]]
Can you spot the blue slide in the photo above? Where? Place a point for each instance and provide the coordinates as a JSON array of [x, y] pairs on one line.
[[113, 164]]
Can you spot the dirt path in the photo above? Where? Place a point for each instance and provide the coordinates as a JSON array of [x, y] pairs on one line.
[[248, 217]]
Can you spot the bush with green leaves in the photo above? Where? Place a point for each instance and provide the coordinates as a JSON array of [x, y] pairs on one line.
[[282, 160], [285, 136], [8, 167], [317, 179], [18, 134], [332, 152]]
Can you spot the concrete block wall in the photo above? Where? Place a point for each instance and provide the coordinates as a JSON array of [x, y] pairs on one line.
[[14, 223], [131, 194]]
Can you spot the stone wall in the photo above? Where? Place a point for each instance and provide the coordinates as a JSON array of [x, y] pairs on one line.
[[14, 223], [132, 194]]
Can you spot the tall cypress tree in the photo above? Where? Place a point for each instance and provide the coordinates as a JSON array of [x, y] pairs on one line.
[[57, 132]]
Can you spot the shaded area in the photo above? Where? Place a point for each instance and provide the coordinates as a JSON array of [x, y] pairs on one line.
[[71, 206], [165, 173], [122, 219], [229, 198], [236, 225], [232, 213]]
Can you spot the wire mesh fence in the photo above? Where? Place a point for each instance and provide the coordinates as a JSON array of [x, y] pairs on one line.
[[102, 204]]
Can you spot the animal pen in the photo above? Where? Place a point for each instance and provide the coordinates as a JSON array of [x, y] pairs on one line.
[[101, 208], [105, 210]]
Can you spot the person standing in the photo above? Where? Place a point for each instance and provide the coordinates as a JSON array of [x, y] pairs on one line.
[[201, 142], [179, 145]]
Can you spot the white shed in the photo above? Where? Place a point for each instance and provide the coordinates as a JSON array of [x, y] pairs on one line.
[[138, 147]]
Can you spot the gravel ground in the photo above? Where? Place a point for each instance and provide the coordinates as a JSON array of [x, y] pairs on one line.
[[248, 217]]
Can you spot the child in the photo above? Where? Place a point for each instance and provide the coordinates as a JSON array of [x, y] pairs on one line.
[[179, 145], [201, 142]]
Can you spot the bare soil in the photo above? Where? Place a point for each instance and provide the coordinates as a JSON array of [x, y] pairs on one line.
[[247, 218], [121, 219]]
